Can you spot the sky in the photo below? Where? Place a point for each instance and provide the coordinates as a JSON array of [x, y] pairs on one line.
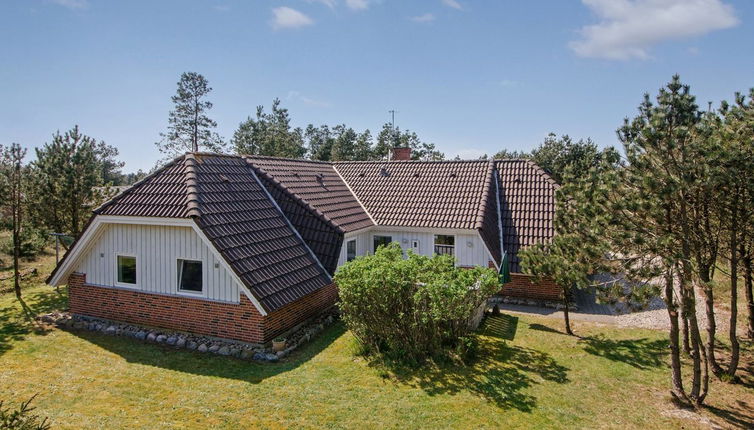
[[473, 77]]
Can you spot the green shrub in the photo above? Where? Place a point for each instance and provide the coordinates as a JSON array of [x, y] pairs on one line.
[[33, 241], [22, 418], [410, 308]]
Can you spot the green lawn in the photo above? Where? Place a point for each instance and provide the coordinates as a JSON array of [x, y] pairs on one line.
[[529, 376]]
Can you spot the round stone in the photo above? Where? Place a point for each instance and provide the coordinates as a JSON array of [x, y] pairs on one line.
[[202, 348], [180, 343], [191, 345], [161, 338], [224, 351]]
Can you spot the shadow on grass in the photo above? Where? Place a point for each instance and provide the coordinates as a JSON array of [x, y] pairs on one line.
[[740, 416], [541, 327], [17, 317], [501, 326], [640, 353], [501, 374], [181, 360]]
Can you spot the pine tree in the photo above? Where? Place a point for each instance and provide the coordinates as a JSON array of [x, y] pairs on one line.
[[654, 216], [269, 134], [578, 248], [189, 127], [64, 180]]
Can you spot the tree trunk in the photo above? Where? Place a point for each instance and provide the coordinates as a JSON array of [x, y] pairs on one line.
[[749, 291], [685, 335], [16, 244], [709, 302], [566, 307], [16, 209], [734, 346], [677, 390], [700, 377]]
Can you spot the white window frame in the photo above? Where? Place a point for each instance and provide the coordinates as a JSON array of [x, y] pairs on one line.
[[455, 243], [179, 276], [138, 274], [355, 250], [381, 235]]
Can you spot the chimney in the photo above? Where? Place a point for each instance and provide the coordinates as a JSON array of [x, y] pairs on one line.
[[401, 154]]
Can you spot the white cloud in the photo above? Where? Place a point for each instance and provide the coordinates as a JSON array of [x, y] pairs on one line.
[[629, 28], [508, 83], [328, 3], [72, 4], [285, 17], [427, 17], [221, 7], [452, 3], [295, 95], [357, 4]]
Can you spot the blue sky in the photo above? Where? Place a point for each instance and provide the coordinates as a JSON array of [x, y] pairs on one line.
[[473, 77]]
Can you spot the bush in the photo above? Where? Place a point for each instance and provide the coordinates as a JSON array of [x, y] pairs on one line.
[[21, 418], [411, 308], [33, 241]]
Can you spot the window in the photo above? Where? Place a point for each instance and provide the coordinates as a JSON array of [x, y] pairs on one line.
[[126, 270], [445, 244], [381, 241], [190, 276], [351, 250]]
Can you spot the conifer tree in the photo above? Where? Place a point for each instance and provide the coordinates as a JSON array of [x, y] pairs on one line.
[[269, 134], [189, 127]]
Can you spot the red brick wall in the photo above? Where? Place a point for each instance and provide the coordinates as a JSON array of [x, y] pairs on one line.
[[239, 321], [523, 286], [297, 312]]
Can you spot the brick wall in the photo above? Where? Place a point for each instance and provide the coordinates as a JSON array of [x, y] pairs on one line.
[[523, 286], [239, 321], [299, 311]]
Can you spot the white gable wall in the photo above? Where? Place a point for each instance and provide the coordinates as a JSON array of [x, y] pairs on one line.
[[470, 250], [157, 249]]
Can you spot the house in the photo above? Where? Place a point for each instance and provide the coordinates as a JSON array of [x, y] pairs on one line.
[[245, 247]]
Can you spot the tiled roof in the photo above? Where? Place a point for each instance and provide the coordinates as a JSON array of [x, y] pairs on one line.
[[238, 216], [322, 235], [162, 194], [318, 185], [429, 194], [527, 206]]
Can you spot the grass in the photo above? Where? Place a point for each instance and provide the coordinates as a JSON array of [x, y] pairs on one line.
[[528, 375]]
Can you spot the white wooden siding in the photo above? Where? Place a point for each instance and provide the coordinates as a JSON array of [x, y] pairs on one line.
[[469, 248], [157, 250]]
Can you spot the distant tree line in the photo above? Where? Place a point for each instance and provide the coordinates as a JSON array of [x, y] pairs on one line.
[[557, 154], [271, 134]]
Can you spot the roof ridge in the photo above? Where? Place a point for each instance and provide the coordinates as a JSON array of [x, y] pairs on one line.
[[408, 161], [296, 197], [192, 194], [213, 154], [353, 193], [137, 184], [479, 223], [271, 157], [542, 172]]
